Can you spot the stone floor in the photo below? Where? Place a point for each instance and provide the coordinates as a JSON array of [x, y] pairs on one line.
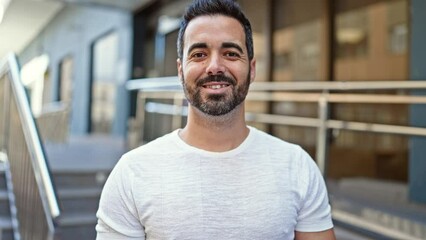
[[378, 206], [88, 152]]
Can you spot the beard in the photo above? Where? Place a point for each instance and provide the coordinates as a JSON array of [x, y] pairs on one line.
[[216, 104]]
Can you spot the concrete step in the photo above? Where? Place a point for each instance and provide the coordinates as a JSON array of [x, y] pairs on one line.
[[4, 203], [78, 195], [88, 192], [378, 207], [77, 225], [6, 232], [79, 169], [77, 219], [77, 232], [2, 176], [80, 200], [89, 152], [90, 178], [78, 216]]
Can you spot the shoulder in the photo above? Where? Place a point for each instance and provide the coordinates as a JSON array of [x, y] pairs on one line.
[[166, 144], [149, 155], [278, 147], [272, 140], [290, 158]]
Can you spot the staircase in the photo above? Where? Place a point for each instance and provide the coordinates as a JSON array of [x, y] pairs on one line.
[[78, 194], [79, 168], [5, 216]]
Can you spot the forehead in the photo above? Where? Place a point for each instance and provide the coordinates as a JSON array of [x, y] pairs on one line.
[[215, 28]]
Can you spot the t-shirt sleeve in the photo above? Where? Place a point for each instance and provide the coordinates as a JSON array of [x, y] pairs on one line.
[[315, 212], [117, 214]]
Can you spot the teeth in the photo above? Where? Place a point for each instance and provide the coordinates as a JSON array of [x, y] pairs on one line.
[[216, 86]]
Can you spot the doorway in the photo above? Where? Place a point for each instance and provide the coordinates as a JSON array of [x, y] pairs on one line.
[[104, 55]]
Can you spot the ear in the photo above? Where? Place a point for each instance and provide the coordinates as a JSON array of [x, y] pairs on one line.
[[252, 70], [179, 69]]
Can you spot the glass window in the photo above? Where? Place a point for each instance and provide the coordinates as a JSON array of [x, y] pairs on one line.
[[398, 28], [299, 53], [257, 13], [352, 34], [298, 40], [104, 81], [66, 67], [371, 45], [371, 38]]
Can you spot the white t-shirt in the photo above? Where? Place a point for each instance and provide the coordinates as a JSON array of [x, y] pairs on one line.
[[265, 188]]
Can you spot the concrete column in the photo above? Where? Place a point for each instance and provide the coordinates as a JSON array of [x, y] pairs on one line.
[[417, 164]]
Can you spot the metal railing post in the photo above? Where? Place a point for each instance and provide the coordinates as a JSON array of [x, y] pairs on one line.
[[5, 118], [177, 116], [140, 115], [29, 180], [322, 133]]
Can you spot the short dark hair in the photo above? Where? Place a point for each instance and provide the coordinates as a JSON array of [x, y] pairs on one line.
[[227, 8]]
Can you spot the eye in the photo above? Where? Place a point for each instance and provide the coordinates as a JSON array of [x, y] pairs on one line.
[[232, 54], [198, 55]]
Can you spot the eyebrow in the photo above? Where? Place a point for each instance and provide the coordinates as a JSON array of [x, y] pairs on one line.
[[224, 45], [232, 45], [196, 45]]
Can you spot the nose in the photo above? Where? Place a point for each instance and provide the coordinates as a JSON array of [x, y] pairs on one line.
[[215, 66]]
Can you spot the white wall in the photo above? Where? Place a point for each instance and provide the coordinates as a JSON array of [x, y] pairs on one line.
[[71, 33]]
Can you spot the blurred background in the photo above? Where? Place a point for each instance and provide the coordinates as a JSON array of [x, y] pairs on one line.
[[345, 79]]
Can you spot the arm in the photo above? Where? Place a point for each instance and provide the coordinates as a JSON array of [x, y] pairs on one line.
[[117, 213], [314, 220], [323, 235]]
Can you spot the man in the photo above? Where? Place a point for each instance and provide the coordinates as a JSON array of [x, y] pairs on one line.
[[216, 178]]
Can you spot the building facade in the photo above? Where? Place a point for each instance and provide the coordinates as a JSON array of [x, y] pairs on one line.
[[94, 51]]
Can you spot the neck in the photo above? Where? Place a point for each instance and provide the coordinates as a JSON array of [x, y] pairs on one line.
[[215, 133]]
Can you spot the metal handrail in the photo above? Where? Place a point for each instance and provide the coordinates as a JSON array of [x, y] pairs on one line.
[[173, 83], [28, 169]]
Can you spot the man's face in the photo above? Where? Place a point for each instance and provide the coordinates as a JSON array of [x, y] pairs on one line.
[[215, 69]]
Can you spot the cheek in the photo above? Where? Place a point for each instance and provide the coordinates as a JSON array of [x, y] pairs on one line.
[[190, 71], [242, 73]]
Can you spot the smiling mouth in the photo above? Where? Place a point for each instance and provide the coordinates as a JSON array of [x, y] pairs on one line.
[[216, 86]]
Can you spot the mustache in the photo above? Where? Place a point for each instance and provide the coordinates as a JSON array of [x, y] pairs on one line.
[[216, 78]]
